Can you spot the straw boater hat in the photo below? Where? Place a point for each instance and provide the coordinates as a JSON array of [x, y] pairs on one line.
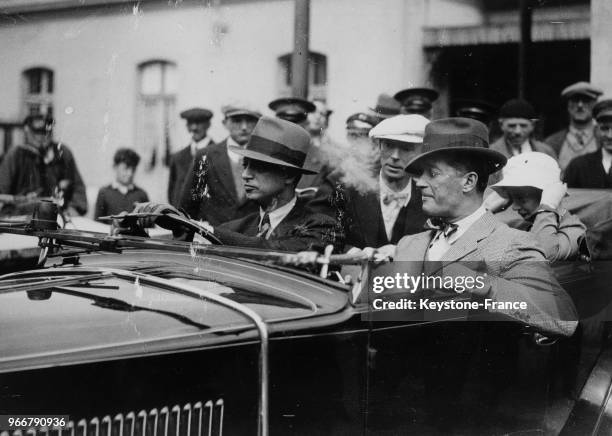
[[458, 135], [278, 142]]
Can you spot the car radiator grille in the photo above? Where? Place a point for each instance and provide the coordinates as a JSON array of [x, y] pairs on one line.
[[201, 419]]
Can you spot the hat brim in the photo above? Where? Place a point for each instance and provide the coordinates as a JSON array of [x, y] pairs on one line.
[[256, 155], [415, 139], [496, 159], [243, 113], [431, 94]]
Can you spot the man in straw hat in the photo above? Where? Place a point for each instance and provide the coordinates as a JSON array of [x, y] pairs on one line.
[[466, 240]]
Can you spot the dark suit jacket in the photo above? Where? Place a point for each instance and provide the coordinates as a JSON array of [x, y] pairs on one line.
[[587, 171], [557, 139], [364, 224], [180, 162], [508, 261], [222, 203], [302, 229]]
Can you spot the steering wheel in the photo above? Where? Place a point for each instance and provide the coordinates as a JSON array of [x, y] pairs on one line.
[[182, 227]]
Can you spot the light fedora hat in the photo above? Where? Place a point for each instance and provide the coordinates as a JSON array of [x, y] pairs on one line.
[[531, 169], [458, 135], [278, 142]]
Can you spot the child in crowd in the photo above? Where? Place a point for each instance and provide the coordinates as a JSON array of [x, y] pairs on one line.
[[122, 194], [531, 181]]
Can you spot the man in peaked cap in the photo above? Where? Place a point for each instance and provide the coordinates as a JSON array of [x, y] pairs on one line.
[[42, 167], [594, 170], [273, 164], [417, 101], [475, 109], [381, 217], [292, 109], [359, 125], [198, 123], [579, 137], [213, 189]]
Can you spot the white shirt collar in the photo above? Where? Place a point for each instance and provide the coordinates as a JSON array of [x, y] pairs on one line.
[[525, 148], [465, 223], [385, 189], [606, 159], [277, 215], [122, 188], [234, 157], [202, 143]]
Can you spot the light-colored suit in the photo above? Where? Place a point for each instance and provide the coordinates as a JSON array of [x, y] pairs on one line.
[[511, 264]]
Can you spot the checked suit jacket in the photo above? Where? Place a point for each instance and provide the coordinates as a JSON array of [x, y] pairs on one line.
[[511, 264]]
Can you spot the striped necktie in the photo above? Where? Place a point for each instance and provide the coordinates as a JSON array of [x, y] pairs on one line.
[[264, 226]]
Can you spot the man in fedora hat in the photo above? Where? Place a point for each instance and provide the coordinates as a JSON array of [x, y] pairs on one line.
[[381, 217], [198, 123], [466, 240], [273, 161], [273, 164], [213, 190], [467, 243], [579, 137]]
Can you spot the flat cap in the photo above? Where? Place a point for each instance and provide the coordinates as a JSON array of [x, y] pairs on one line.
[[517, 108], [603, 109], [458, 135], [416, 99], [292, 109], [197, 114], [236, 111], [582, 88], [404, 128]]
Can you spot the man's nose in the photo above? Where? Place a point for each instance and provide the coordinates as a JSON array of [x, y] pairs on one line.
[[515, 205], [246, 173], [419, 182], [395, 153]]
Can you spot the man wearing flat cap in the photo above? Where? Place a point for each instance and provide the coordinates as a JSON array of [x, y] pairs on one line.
[[517, 119], [579, 137], [417, 101], [213, 189], [382, 217], [198, 123], [594, 170], [273, 161]]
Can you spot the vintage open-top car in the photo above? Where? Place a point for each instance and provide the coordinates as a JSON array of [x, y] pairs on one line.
[[129, 335]]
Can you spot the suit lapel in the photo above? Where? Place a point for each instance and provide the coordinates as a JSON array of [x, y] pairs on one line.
[[223, 171], [468, 242], [371, 220]]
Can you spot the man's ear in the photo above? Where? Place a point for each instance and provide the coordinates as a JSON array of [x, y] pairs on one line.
[[470, 180]]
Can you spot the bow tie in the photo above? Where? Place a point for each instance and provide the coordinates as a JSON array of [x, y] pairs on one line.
[[399, 198], [440, 225]]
